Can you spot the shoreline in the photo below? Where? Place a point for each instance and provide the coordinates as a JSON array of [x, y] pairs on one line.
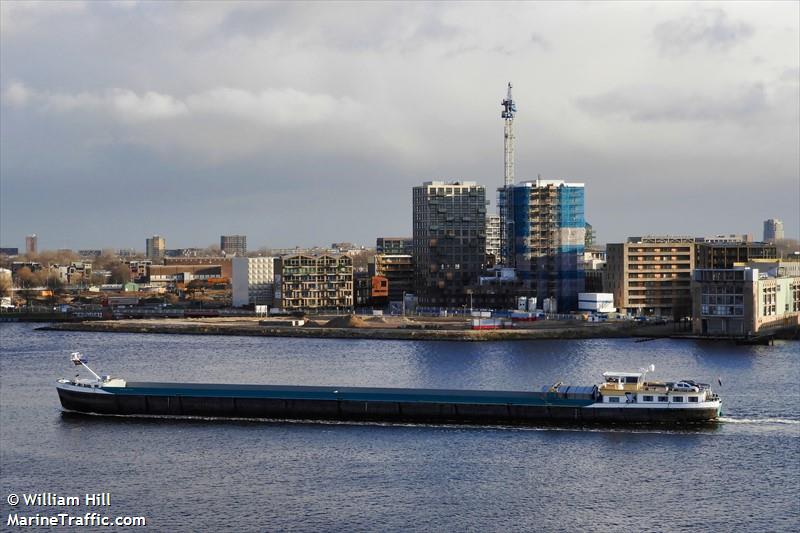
[[371, 333]]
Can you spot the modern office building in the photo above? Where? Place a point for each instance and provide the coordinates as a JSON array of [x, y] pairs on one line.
[[493, 240], [752, 298], [155, 247], [773, 230], [651, 275], [305, 282], [393, 245], [253, 280], [398, 271], [547, 238], [31, 244], [718, 253], [233, 244], [449, 241]]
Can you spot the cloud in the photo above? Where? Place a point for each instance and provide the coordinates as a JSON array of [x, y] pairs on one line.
[[329, 113], [540, 41], [660, 103], [16, 17], [791, 75], [709, 29], [285, 106], [271, 106], [16, 94], [121, 104]]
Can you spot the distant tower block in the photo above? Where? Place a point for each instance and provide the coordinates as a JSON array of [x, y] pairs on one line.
[[509, 109]]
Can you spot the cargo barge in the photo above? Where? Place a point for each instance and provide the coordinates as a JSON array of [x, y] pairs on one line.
[[622, 397]]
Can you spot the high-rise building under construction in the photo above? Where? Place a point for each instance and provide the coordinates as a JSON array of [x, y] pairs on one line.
[[543, 228], [549, 230]]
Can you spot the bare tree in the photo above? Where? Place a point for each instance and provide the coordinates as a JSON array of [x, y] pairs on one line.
[[5, 286], [106, 260], [26, 278], [362, 259], [97, 278], [787, 247], [212, 250], [120, 273]]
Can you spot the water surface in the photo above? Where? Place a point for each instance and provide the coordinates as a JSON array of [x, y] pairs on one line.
[[192, 475]]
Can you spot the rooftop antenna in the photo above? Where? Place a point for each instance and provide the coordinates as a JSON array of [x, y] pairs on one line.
[[78, 359]]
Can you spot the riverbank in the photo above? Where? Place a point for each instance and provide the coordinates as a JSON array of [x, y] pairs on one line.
[[400, 330]]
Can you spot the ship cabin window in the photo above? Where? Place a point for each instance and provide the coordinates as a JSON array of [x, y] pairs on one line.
[[632, 379], [612, 379], [613, 399], [663, 398], [647, 398], [693, 399], [677, 399]]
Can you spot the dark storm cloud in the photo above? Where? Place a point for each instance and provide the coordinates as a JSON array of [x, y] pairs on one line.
[[709, 28], [308, 123]]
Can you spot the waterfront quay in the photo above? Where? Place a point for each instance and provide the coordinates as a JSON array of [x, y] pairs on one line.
[[389, 327]]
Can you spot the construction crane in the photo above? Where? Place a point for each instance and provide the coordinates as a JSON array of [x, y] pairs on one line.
[[509, 109]]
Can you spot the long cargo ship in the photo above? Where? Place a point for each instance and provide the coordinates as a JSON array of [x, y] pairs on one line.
[[622, 397]]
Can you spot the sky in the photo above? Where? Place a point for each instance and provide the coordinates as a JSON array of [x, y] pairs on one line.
[[309, 123]]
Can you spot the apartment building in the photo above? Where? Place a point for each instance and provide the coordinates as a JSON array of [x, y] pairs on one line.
[[718, 253], [314, 282], [651, 275], [155, 247], [751, 298], [233, 244], [773, 230], [449, 241], [253, 280], [393, 245], [398, 271], [493, 241]]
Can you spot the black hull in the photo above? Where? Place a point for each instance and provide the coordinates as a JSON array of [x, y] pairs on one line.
[[374, 411]]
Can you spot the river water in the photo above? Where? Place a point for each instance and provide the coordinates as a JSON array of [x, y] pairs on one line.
[[197, 475]]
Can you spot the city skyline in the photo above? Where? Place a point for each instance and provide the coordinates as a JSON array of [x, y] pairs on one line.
[[321, 137]]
